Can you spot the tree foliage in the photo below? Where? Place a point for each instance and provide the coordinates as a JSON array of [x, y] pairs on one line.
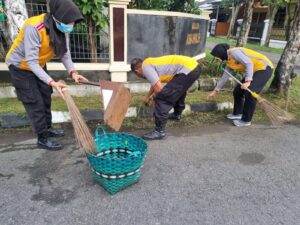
[[274, 3], [228, 3], [92, 10], [188, 6], [193, 8]]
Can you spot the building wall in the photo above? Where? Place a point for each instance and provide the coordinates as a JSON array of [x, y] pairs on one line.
[[157, 35]]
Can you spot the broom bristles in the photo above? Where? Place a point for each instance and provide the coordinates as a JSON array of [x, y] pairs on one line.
[[277, 115], [82, 133]]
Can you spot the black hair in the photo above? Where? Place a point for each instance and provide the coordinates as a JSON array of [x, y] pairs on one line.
[[136, 63], [220, 51]]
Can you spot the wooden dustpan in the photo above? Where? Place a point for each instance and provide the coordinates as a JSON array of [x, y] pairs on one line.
[[116, 100]]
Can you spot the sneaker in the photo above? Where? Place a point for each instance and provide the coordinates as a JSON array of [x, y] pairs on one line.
[[231, 116], [154, 135], [241, 123]]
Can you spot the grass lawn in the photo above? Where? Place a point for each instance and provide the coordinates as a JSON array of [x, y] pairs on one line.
[[12, 105], [249, 45], [193, 119]]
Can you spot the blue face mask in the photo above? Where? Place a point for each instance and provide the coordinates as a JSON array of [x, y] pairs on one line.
[[64, 28]]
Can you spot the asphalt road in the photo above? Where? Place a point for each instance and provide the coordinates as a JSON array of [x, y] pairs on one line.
[[208, 175]]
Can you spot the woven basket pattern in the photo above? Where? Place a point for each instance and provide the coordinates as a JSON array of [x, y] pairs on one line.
[[118, 160], [114, 186]]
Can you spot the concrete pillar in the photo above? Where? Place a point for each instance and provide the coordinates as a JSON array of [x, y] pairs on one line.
[[265, 31], [239, 21], [118, 40]]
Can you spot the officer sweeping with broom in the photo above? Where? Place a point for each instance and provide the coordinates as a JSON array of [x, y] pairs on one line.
[[258, 69], [40, 39], [179, 72]]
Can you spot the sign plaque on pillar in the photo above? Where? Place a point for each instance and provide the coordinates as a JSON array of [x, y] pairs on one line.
[[118, 28]]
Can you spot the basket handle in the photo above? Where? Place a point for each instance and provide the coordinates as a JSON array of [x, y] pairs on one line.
[[97, 131]]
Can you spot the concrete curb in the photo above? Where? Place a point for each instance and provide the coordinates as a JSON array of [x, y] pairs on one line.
[[15, 121], [203, 84]]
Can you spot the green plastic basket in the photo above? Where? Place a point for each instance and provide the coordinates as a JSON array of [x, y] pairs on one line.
[[118, 161]]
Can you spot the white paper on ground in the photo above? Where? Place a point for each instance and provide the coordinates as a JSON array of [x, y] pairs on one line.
[[107, 94]]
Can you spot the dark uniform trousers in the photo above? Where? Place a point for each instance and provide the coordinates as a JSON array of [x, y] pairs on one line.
[[244, 103], [36, 98], [173, 96]]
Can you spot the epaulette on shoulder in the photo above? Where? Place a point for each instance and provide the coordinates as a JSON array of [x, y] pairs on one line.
[[40, 26]]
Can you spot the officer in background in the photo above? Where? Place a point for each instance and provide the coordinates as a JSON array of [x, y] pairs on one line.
[[258, 70]]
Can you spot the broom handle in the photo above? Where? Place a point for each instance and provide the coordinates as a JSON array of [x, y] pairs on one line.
[[89, 83], [92, 83], [237, 80]]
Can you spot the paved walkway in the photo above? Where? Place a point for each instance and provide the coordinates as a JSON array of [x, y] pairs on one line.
[[208, 175]]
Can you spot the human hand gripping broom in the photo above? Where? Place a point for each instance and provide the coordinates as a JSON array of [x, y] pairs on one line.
[[276, 115], [145, 106], [149, 99]]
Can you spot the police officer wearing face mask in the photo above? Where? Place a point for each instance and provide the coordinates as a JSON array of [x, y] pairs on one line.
[[258, 70], [41, 39]]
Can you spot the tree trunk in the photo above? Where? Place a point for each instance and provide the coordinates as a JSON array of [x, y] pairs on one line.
[[235, 11], [287, 21], [290, 21], [92, 41], [17, 14], [282, 79], [272, 14], [178, 6], [247, 19]]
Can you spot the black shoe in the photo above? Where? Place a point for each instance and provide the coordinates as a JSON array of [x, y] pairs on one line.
[[174, 117], [55, 132], [154, 135], [49, 145]]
